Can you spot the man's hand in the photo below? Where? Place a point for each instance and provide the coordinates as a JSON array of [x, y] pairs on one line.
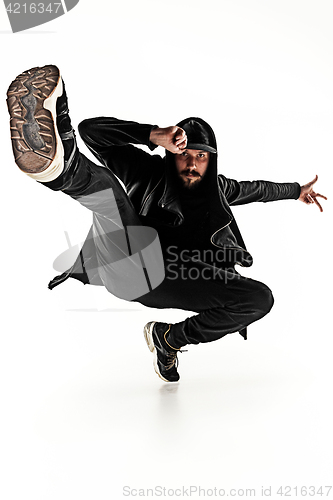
[[308, 195], [172, 138]]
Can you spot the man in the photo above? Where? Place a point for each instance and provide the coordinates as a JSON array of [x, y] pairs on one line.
[[181, 196]]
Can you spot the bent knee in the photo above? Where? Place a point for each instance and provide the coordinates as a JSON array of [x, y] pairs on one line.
[[265, 300]]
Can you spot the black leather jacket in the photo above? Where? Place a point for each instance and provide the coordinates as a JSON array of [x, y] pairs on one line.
[[150, 184]]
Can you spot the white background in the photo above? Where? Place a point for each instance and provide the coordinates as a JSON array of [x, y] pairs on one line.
[[82, 412]]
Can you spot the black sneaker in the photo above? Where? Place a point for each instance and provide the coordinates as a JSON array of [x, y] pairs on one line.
[[42, 137], [165, 356]]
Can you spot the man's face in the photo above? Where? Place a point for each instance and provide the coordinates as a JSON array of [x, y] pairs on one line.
[[191, 166]]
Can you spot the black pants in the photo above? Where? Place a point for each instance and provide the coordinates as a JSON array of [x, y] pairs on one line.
[[225, 301]]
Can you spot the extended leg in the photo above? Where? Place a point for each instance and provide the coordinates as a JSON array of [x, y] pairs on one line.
[[45, 148], [44, 143]]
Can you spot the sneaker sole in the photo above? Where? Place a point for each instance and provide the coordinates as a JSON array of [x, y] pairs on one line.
[[148, 333], [31, 101]]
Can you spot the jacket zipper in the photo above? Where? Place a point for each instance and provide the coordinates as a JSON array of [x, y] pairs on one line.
[[217, 232], [224, 245], [151, 192]]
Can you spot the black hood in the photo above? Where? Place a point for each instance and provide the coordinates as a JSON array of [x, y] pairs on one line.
[[209, 183], [200, 135], [205, 135], [223, 227]]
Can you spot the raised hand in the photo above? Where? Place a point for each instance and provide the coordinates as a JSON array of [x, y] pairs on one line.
[[309, 196], [172, 138]]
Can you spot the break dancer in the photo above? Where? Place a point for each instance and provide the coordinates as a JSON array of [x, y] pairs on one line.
[[180, 197]]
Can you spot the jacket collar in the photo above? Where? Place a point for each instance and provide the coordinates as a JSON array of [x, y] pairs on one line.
[[220, 213]]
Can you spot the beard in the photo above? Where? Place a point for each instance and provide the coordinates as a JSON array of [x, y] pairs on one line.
[[189, 184]]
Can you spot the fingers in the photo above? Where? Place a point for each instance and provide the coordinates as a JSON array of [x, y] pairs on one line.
[[314, 198], [309, 185], [318, 204], [321, 196], [180, 140], [178, 149], [182, 145], [309, 199], [314, 180], [308, 195], [180, 134], [180, 137]]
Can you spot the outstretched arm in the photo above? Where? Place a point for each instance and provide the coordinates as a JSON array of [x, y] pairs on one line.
[[309, 196], [243, 192]]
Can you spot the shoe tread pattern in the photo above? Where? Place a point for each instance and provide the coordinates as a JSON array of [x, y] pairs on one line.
[[31, 125]]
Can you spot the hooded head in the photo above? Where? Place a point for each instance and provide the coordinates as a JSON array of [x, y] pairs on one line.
[[196, 166], [199, 134]]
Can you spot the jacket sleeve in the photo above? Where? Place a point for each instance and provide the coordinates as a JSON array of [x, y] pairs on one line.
[[242, 192], [112, 142]]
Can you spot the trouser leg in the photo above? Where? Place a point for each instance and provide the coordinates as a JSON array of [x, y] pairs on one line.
[[45, 148], [129, 257], [226, 302], [91, 185]]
